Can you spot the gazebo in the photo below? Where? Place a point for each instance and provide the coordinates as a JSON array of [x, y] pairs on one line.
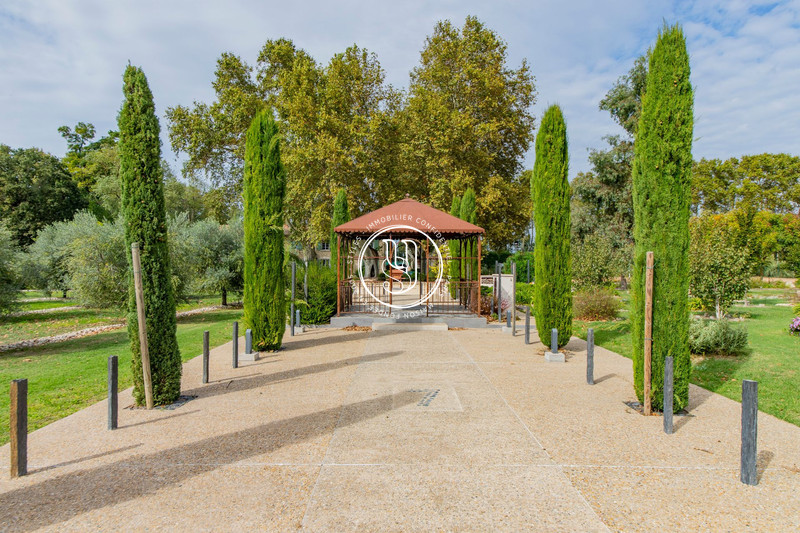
[[408, 259]]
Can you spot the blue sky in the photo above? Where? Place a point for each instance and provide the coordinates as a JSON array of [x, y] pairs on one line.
[[62, 61]]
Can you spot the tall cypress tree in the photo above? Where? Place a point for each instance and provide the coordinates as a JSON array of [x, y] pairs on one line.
[[264, 189], [341, 214], [146, 223], [661, 195], [454, 246], [552, 299], [467, 212]]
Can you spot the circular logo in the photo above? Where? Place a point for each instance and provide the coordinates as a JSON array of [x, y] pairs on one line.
[[400, 265]]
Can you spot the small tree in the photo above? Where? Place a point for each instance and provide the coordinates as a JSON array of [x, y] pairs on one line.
[[264, 189], [718, 269], [454, 246], [467, 212], [661, 194], [146, 223], [551, 194], [219, 256], [341, 214]]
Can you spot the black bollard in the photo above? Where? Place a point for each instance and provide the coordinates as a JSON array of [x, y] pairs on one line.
[[248, 341], [554, 340], [748, 473], [590, 356], [669, 373], [18, 426], [113, 375], [235, 361], [205, 357], [529, 270], [527, 324]]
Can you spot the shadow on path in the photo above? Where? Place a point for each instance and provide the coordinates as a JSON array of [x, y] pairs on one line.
[[260, 380], [59, 499]]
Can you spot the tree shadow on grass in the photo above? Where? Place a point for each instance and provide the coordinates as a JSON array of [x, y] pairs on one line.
[[56, 500]]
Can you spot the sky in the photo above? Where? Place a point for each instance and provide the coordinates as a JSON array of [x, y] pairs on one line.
[[61, 62]]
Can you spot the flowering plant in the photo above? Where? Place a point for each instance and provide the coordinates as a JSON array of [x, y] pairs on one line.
[[794, 327]]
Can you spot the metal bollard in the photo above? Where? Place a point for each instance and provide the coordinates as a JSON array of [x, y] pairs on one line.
[[205, 357], [235, 361], [508, 318], [669, 373], [748, 473], [297, 318], [590, 356], [554, 340], [248, 341], [113, 380], [527, 324], [18, 425]]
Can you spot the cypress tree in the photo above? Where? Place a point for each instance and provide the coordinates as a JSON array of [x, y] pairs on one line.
[[455, 248], [552, 299], [341, 214], [145, 222], [264, 189], [467, 212], [661, 195]]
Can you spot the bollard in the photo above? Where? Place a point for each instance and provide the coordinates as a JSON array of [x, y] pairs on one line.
[[554, 340], [291, 311], [527, 324], [297, 318], [248, 341], [669, 373], [748, 473], [18, 425], [205, 357], [495, 301], [113, 375], [590, 356], [508, 318], [235, 345], [529, 270]]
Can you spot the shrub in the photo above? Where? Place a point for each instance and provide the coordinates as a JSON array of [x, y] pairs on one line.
[[796, 309], [8, 275], [524, 292], [595, 261], [794, 327], [716, 337], [96, 262], [321, 295], [759, 283], [695, 304], [595, 304]]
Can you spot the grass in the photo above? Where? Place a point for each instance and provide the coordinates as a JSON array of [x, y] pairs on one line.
[[68, 376], [773, 361], [19, 328]]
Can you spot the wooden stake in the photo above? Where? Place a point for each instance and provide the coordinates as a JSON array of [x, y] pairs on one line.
[[137, 285], [18, 426], [648, 332]]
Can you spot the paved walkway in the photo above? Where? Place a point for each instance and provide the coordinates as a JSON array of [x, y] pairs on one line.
[[465, 430]]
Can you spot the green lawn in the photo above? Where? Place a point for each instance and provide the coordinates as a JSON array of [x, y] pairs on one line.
[[68, 376], [773, 361], [18, 328]]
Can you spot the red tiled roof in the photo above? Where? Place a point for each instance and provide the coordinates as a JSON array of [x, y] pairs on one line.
[[408, 212]]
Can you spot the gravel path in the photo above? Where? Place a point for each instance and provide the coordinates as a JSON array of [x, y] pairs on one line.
[[399, 431]]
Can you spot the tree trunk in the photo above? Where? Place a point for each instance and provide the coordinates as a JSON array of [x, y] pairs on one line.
[[224, 297]]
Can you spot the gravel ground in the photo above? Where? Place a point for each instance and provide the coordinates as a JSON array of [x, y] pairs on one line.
[[403, 430]]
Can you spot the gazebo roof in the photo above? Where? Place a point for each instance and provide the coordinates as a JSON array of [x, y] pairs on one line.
[[408, 212]]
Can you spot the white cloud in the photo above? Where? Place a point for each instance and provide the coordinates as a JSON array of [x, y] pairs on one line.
[[62, 62]]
